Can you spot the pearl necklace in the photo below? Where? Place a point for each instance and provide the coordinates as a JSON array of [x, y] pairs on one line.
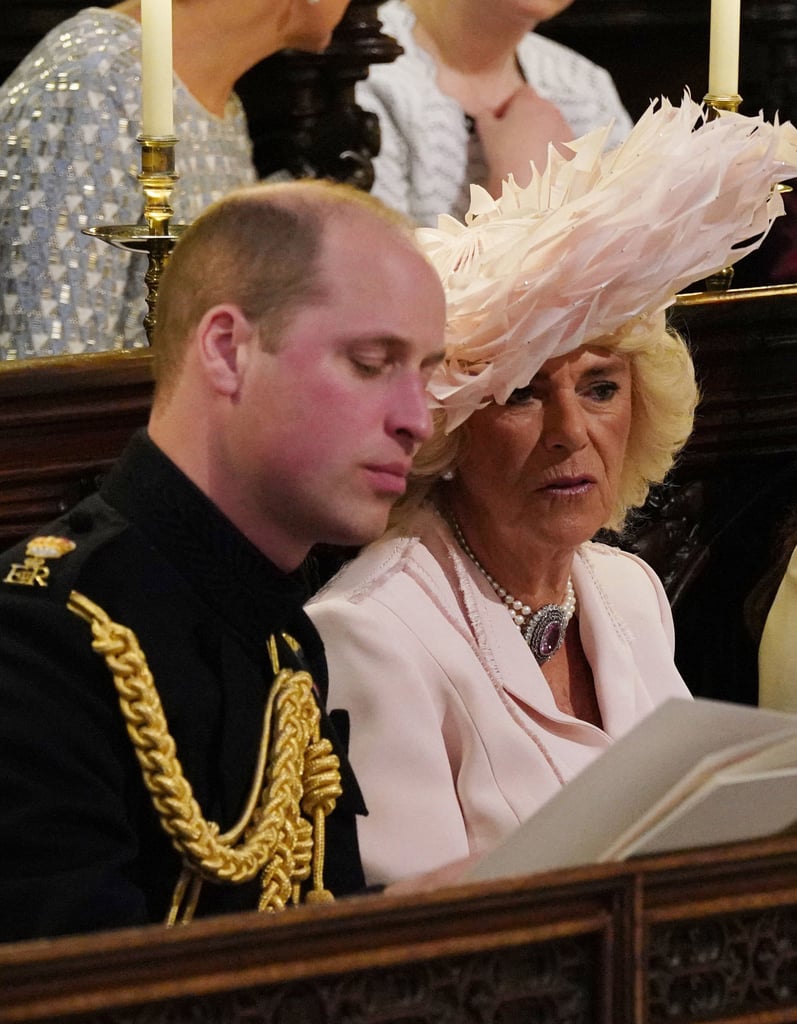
[[543, 630]]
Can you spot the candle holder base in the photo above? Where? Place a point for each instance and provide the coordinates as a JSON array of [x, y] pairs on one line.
[[137, 238], [721, 281], [157, 236], [717, 103]]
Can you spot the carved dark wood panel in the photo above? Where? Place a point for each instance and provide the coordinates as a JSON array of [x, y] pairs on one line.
[[745, 349], [557, 983], [722, 966]]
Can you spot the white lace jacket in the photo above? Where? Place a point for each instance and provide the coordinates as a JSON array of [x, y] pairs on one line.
[[428, 158]]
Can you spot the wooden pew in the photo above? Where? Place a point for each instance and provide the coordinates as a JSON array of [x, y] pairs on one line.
[[701, 936], [62, 424]]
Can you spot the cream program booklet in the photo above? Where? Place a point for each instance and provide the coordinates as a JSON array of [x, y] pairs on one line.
[[693, 773]]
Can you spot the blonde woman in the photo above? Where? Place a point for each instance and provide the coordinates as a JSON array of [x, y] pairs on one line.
[[486, 649]]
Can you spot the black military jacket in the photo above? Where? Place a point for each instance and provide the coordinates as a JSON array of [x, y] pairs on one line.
[[81, 847]]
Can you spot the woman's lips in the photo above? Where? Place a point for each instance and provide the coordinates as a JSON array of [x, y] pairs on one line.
[[570, 485]]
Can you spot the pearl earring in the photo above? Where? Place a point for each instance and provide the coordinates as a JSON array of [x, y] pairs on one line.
[[448, 475]]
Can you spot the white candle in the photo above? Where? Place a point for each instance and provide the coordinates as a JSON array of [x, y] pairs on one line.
[[157, 103], [723, 61]]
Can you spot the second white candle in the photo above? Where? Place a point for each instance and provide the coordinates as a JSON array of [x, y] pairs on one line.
[[723, 61]]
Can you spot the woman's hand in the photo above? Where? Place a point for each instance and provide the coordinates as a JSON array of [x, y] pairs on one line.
[[517, 134], [453, 873]]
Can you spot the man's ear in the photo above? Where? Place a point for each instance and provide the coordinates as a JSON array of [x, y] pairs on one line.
[[224, 335]]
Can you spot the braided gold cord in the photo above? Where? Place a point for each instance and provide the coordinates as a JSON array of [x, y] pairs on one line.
[[301, 774], [321, 790]]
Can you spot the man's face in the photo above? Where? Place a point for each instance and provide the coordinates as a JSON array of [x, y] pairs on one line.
[[323, 430]]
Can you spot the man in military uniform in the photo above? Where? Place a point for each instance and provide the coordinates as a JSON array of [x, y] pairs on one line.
[[164, 750]]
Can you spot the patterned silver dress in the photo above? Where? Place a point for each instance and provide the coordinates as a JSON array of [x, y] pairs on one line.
[[69, 117]]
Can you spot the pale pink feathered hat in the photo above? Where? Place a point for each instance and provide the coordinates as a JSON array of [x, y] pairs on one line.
[[597, 241]]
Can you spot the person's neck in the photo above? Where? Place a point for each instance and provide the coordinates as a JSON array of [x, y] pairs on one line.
[[192, 450], [466, 36], [475, 52], [210, 72], [511, 553]]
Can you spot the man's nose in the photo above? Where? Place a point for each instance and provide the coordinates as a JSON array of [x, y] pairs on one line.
[[409, 414]]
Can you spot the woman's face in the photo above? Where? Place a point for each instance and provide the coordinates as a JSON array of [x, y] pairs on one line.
[[311, 24], [549, 461]]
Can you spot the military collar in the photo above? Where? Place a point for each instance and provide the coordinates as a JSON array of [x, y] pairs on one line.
[[244, 587]]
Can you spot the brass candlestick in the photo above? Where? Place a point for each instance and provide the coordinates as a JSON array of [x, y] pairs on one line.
[[717, 103], [721, 281], [157, 236]]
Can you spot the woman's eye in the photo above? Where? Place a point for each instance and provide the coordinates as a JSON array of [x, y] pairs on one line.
[[522, 396], [603, 390]]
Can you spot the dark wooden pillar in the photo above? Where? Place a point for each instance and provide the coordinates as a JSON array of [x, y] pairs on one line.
[[303, 117]]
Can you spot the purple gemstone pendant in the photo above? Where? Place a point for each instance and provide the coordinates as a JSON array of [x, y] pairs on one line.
[[545, 632]]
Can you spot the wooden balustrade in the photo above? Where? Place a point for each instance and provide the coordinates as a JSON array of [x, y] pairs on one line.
[[707, 935]]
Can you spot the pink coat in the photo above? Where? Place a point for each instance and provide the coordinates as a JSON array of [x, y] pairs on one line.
[[455, 736]]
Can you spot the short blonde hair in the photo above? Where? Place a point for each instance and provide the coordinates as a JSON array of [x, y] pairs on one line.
[[664, 399]]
